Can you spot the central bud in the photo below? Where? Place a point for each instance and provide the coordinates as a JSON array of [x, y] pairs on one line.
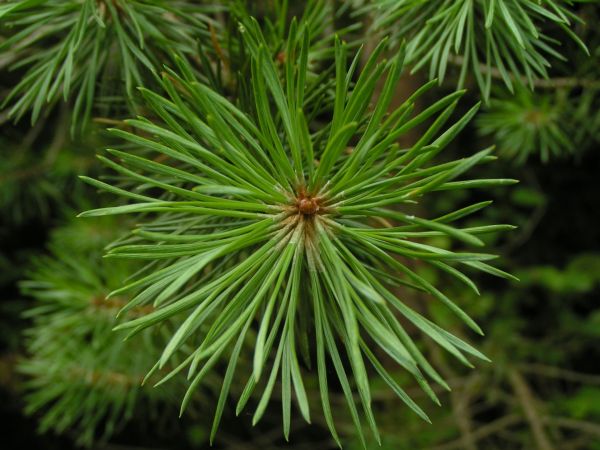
[[307, 204]]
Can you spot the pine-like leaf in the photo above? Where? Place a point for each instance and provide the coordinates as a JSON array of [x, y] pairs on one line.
[[258, 218], [507, 37], [80, 377], [93, 49]]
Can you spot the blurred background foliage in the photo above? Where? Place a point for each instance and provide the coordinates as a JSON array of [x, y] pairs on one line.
[[542, 389]]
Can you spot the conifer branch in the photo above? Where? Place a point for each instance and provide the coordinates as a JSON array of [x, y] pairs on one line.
[[257, 219]]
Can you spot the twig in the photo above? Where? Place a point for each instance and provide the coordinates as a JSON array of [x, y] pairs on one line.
[[110, 446], [532, 223], [460, 399], [462, 412], [579, 425], [8, 363], [483, 431], [528, 403], [557, 372], [543, 83]]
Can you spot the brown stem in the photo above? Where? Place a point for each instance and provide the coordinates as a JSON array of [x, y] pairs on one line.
[[483, 432], [460, 399], [8, 372], [100, 302], [578, 425], [535, 218], [557, 372], [543, 83], [528, 401]]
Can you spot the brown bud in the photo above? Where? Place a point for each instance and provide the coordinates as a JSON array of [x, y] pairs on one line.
[[308, 205]]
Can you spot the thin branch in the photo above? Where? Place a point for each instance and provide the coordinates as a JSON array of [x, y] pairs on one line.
[[483, 431], [557, 372], [103, 377], [533, 221], [578, 425], [528, 403], [460, 400], [8, 372], [542, 83]]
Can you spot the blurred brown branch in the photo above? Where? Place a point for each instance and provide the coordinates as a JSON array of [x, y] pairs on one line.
[[528, 402], [544, 83]]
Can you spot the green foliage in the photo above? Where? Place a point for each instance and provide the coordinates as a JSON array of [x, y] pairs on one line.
[[561, 117], [39, 166], [527, 123], [551, 124], [89, 46], [83, 379], [580, 275], [317, 17], [584, 404], [543, 352], [508, 36], [305, 231]]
